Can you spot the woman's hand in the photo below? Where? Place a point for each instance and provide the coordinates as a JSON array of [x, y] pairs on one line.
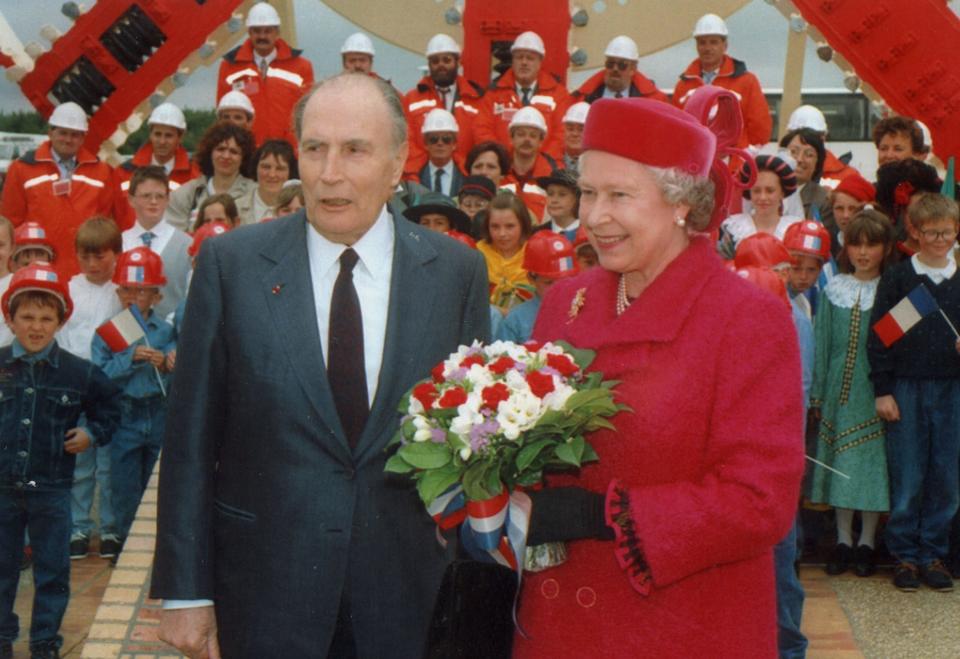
[[887, 408], [567, 513]]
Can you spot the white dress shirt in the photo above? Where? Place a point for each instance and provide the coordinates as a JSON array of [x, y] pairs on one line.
[[371, 278], [446, 180], [162, 233], [93, 305]]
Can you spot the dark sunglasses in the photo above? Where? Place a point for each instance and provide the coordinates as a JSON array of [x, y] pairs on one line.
[[620, 64], [436, 139]]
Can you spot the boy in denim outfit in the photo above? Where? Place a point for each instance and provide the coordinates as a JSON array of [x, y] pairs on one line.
[[140, 370], [917, 386], [43, 393]]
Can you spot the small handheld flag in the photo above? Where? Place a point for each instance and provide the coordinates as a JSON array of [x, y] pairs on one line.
[[121, 331], [918, 304]]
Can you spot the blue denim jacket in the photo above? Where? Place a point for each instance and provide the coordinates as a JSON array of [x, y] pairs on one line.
[[42, 396], [138, 379]]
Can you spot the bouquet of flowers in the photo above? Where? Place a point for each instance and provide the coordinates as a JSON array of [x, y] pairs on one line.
[[493, 418]]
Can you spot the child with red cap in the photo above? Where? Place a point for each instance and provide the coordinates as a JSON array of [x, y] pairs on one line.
[[140, 369], [48, 392]]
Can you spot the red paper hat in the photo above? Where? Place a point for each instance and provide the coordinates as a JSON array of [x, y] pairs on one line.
[[767, 280], [139, 267], [208, 230], [761, 250], [808, 237], [857, 187], [38, 276]]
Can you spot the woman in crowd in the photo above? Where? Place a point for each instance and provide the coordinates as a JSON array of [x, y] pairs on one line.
[[489, 159], [217, 208], [775, 182], [807, 149], [273, 164], [672, 529], [506, 227], [223, 153]]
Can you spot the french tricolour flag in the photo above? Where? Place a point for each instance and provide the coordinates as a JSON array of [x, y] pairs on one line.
[[123, 330], [906, 313]]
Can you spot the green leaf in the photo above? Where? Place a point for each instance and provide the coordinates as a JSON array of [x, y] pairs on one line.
[[589, 455], [568, 454], [492, 484], [581, 356], [397, 465], [528, 453], [530, 478], [425, 455], [435, 482], [474, 481]]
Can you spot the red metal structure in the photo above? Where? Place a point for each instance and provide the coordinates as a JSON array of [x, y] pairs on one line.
[[117, 54], [490, 27]]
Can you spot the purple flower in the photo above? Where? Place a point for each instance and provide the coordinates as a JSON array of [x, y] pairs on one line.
[[438, 435], [480, 434], [551, 371], [457, 375]]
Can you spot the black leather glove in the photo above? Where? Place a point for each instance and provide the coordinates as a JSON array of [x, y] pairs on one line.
[[567, 513]]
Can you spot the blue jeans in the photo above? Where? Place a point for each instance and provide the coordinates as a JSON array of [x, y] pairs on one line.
[[791, 643], [133, 453], [92, 470], [923, 458], [46, 513]]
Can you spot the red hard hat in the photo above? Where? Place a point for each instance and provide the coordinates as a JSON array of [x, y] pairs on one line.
[[39, 276], [140, 267], [761, 250], [462, 237], [767, 280], [32, 235], [208, 230], [550, 255], [808, 237]]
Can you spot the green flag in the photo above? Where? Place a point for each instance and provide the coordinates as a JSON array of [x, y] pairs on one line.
[[949, 188]]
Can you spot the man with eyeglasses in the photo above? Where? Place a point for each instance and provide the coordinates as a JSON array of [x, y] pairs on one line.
[[525, 84], [60, 183], [619, 77], [714, 67], [444, 88], [442, 173]]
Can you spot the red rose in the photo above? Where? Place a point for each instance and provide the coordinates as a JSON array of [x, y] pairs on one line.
[[494, 394], [426, 393], [540, 383], [471, 360], [502, 365], [562, 364], [532, 345], [453, 397], [437, 373]]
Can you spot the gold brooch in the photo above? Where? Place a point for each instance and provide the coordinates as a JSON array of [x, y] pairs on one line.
[[577, 304]]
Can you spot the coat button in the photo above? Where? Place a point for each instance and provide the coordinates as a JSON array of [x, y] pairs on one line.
[[28, 390], [25, 422], [586, 597], [22, 454], [550, 588]]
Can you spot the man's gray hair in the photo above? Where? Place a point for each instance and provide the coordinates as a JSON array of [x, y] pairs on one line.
[[386, 90]]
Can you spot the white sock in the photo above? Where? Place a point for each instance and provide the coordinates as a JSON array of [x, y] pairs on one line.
[[844, 526], [868, 532]]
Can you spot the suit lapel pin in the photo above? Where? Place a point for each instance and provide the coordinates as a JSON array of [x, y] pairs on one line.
[[276, 289], [576, 304], [415, 236]]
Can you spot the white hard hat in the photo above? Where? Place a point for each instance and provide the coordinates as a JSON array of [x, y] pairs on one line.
[[577, 113], [263, 15], [623, 47], [710, 24], [358, 42], [807, 116], [69, 115], [528, 116], [441, 43], [439, 120], [236, 101], [927, 135], [529, 41], [168, 114]]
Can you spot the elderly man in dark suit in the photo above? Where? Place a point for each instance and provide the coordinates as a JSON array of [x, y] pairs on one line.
[[300, 337]]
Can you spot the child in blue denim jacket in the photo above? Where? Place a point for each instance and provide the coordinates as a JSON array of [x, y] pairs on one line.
[[43, 393], [140, 369]]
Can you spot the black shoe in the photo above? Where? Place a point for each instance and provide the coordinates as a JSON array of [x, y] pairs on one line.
[[79, 548], [906, 578], [954, 565], [109, 547], [864, 561], [937, 577], [840, 559], [45, 652], [6, 650]]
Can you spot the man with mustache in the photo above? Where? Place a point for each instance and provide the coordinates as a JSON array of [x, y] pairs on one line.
[[265, 68], [528, 131], [619, 77]]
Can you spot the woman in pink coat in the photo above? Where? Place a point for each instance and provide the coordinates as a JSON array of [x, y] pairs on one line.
[[671, 531]]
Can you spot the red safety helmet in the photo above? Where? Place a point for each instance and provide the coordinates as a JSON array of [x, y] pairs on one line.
[[208, 230], [809, 238], [549, 255], [463, 238], [32, 235], [39, 276], [140, 267], [761, 250], [767, 280]]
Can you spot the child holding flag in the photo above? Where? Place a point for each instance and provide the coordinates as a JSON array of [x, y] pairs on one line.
[[132, 348], [915, 371]]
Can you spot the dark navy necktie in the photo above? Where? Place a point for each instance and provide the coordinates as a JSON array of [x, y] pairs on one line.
[[345, 365]]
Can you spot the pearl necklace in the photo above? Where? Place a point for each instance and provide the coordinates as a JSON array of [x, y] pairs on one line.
[[622, 300]]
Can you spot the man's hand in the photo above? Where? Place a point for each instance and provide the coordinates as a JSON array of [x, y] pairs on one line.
[[78, 441], [887, 408], [145, 354], [171, 361], [192, 631]]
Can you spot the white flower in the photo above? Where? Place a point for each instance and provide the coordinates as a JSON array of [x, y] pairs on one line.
[[421, 435], [422, 432], [557, 399], [519, 413], [465, 453], [464, 422], [472, 407], [415, 407], [479, 376], [516, 382]]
